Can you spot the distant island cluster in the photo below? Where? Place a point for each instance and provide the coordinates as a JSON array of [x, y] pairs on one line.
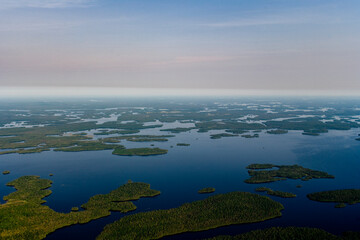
[[138, 132]]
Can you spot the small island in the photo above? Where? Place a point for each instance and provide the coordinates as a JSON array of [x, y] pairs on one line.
[[250, 136], [177, 130], [277, 131], [271, 192], [74, 209], [183, 144], [283, 172], [310, 134], [139, 151], [206, 190], [6, 172], [341, 197], [221, 135], [218, 210], [88, 146]]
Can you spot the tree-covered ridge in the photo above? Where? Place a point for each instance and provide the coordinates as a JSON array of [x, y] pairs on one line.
[[343, 196], [139, 151], [282, 233], [276, 193], [24, 217], [283, 172], [215, 211]]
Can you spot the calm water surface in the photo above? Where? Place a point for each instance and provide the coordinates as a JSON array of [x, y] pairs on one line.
[[184, 170]]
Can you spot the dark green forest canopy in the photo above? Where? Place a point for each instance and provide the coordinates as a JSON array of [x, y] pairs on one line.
[[207, 190], [24, 217], [183, 144], [263, 173], [282, 233], [139, 151], [218, 210], [349, 196], [221, 135], [276, 193]]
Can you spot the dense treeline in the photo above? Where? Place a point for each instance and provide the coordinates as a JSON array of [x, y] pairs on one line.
[[282, 172], [350, 196], [24, 217], [215, 211]]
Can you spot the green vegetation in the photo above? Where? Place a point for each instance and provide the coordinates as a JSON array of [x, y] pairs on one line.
[[63, 127], [221, 135], [343, 196], [351, 235], [117, 132], [271, 192], [147, 139], [177, 130], [6, 172], [24, 217], [138, 138], [310, 134], [25, 151], [236, 131], [277, 131], [207, 190], [183, 144], [74, 209], [314, 132], [282, 172], [260, 166], [139, 151], [340, 205], [215, 211], [61, 138], [250, 136], [228, 125], [89, 146], [282, 233]]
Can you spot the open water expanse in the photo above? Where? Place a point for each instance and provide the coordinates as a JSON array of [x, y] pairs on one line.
[[219, 163], [179, 174]]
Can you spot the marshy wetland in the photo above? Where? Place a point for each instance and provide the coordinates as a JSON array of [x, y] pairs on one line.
[[240, 147]]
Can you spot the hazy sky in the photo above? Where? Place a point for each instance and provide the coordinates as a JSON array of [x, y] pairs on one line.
[[231, 44]]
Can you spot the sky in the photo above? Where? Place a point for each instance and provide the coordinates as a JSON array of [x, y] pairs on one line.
[[277, 45]]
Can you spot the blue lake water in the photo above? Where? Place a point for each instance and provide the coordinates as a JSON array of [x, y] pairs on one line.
[[205, 163]]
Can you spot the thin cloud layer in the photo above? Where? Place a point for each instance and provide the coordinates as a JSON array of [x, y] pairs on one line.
[[264, 44], [9, 4]]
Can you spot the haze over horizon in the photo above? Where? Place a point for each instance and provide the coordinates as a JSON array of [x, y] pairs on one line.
[[261, 45]]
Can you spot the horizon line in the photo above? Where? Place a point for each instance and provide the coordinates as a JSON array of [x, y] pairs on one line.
[[46, 91]]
